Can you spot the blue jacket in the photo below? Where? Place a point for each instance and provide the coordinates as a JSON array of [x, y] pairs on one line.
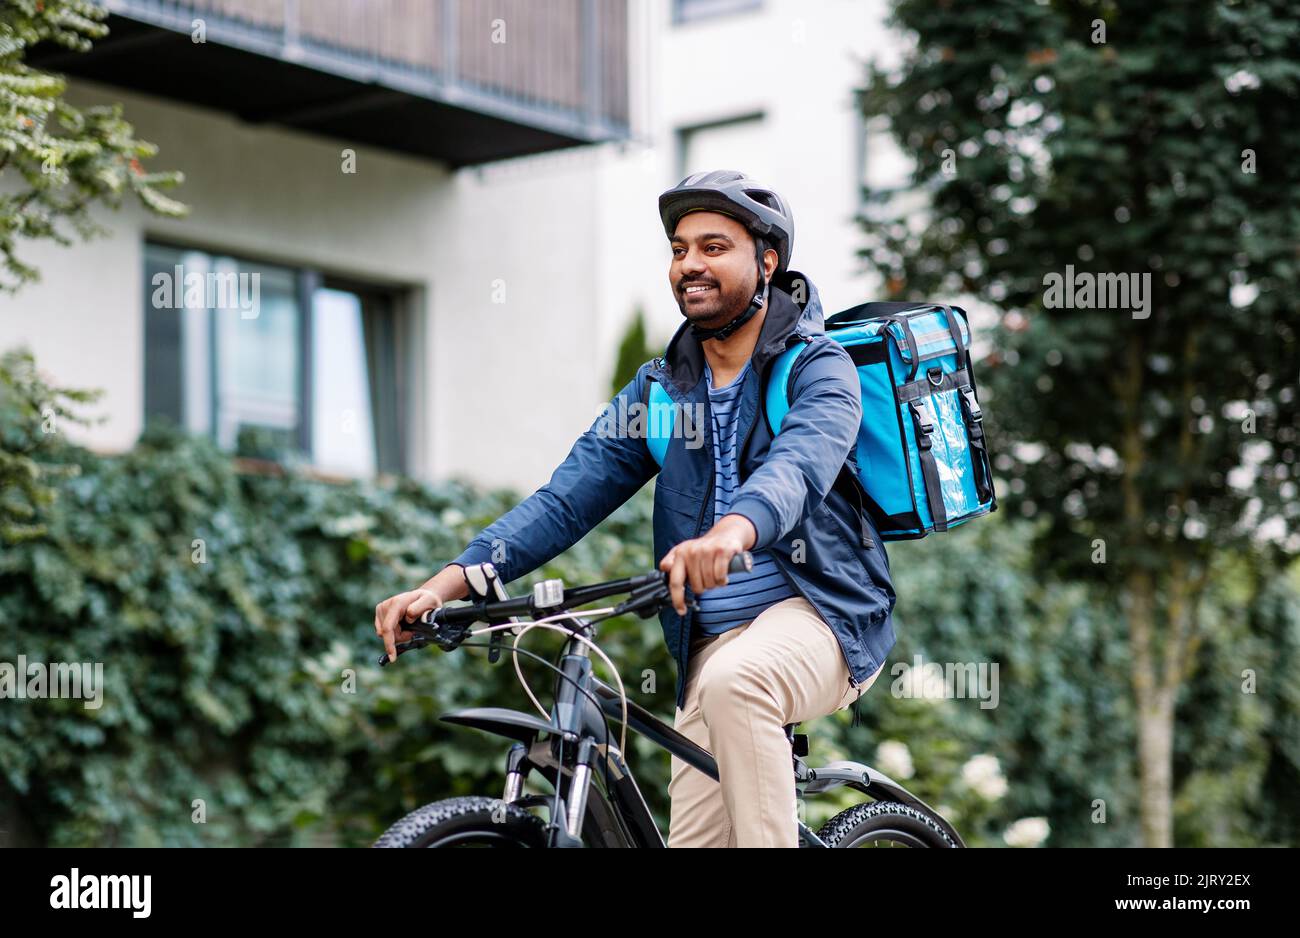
[[805, 512]]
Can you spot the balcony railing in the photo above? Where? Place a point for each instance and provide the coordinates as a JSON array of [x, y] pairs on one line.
[[558, 67]]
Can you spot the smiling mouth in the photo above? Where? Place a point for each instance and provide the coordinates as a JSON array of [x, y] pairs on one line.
[[697, 289]]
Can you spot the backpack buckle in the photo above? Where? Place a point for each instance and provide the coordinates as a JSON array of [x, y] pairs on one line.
[[972, 405], [935, 376], [924, 423]]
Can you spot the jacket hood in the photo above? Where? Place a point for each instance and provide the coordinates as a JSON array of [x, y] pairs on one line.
[[793, 309]]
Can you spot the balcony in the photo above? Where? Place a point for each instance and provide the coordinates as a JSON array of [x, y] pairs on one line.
[[459, 81]]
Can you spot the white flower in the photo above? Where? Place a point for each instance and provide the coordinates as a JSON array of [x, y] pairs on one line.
[[348, 525], [895, 759], [1027, 832], [983, 775]]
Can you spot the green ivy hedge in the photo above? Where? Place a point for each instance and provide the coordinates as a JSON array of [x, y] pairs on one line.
[[228, 609]]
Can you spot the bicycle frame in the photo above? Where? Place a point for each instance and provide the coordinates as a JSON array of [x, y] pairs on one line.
[[568, 751]]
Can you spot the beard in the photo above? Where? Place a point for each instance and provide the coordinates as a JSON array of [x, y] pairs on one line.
[[717, 307]]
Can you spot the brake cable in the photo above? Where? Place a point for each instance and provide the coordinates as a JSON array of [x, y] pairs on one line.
[[546, 623], [582, 690]]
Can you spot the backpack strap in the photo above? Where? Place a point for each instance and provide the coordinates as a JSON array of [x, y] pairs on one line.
[[923, 423], [777, 397], [777, 405], [972, 415], [659, 421]]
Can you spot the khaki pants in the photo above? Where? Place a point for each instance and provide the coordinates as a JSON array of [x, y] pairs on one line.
[[742, 687]]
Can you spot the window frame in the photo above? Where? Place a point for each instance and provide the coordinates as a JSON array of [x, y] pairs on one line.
[[699, 11], [682, 135], [385, 306]]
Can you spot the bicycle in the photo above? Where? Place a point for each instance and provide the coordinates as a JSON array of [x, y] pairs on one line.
[[574, 750]]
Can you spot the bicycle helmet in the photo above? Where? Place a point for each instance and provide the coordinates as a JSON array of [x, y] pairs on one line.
[[763, 212]]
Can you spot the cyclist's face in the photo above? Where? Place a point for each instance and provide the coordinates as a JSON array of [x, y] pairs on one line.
[[712, 272]]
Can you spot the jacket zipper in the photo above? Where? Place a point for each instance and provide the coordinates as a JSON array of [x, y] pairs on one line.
[[683, 631], [758, 415]]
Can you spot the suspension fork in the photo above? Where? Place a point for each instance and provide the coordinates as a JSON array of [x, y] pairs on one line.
[[516, 763], [570, 707]]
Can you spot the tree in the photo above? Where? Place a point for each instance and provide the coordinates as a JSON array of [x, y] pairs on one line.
[[30, 414], [1074, 148], [66, 158], [633, 351]]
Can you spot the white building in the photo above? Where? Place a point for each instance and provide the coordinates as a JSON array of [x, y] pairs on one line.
[[464, 308]]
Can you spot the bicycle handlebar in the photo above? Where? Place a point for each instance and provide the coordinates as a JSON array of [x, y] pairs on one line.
[[447, 626]]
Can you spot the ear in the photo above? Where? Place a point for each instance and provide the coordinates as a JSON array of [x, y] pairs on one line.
[[770, 260]]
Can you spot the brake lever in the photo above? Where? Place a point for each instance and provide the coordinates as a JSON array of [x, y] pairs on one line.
[[429, 632], [402, 647], [646, 600], [649, 599]]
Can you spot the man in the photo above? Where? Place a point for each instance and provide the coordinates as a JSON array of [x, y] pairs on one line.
[[807, 631]]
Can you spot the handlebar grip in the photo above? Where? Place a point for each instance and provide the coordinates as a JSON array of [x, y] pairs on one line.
[[743, 562]]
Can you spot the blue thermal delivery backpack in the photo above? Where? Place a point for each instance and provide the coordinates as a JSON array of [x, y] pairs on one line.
[[920, 458]]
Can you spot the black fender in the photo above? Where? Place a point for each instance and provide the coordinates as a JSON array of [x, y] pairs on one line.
[[501, 721], [877, 785]]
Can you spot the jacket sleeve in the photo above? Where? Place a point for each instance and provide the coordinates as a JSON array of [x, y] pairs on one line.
[[816, 438], [605, 467]]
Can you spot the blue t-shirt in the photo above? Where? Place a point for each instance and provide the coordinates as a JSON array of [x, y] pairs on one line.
[[746, 594]]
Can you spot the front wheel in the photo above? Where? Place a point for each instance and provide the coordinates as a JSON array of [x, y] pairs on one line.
[[472, 821], [884, 824]]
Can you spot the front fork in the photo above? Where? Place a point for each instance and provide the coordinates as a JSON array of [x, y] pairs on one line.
[[515, 760], [568, 717], [570, 705]]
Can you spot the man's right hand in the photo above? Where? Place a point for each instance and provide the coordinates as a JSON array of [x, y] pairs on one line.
[[392, 613]]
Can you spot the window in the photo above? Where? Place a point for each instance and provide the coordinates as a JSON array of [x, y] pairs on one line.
[[271, 360], [734, 143], [688, 11]]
